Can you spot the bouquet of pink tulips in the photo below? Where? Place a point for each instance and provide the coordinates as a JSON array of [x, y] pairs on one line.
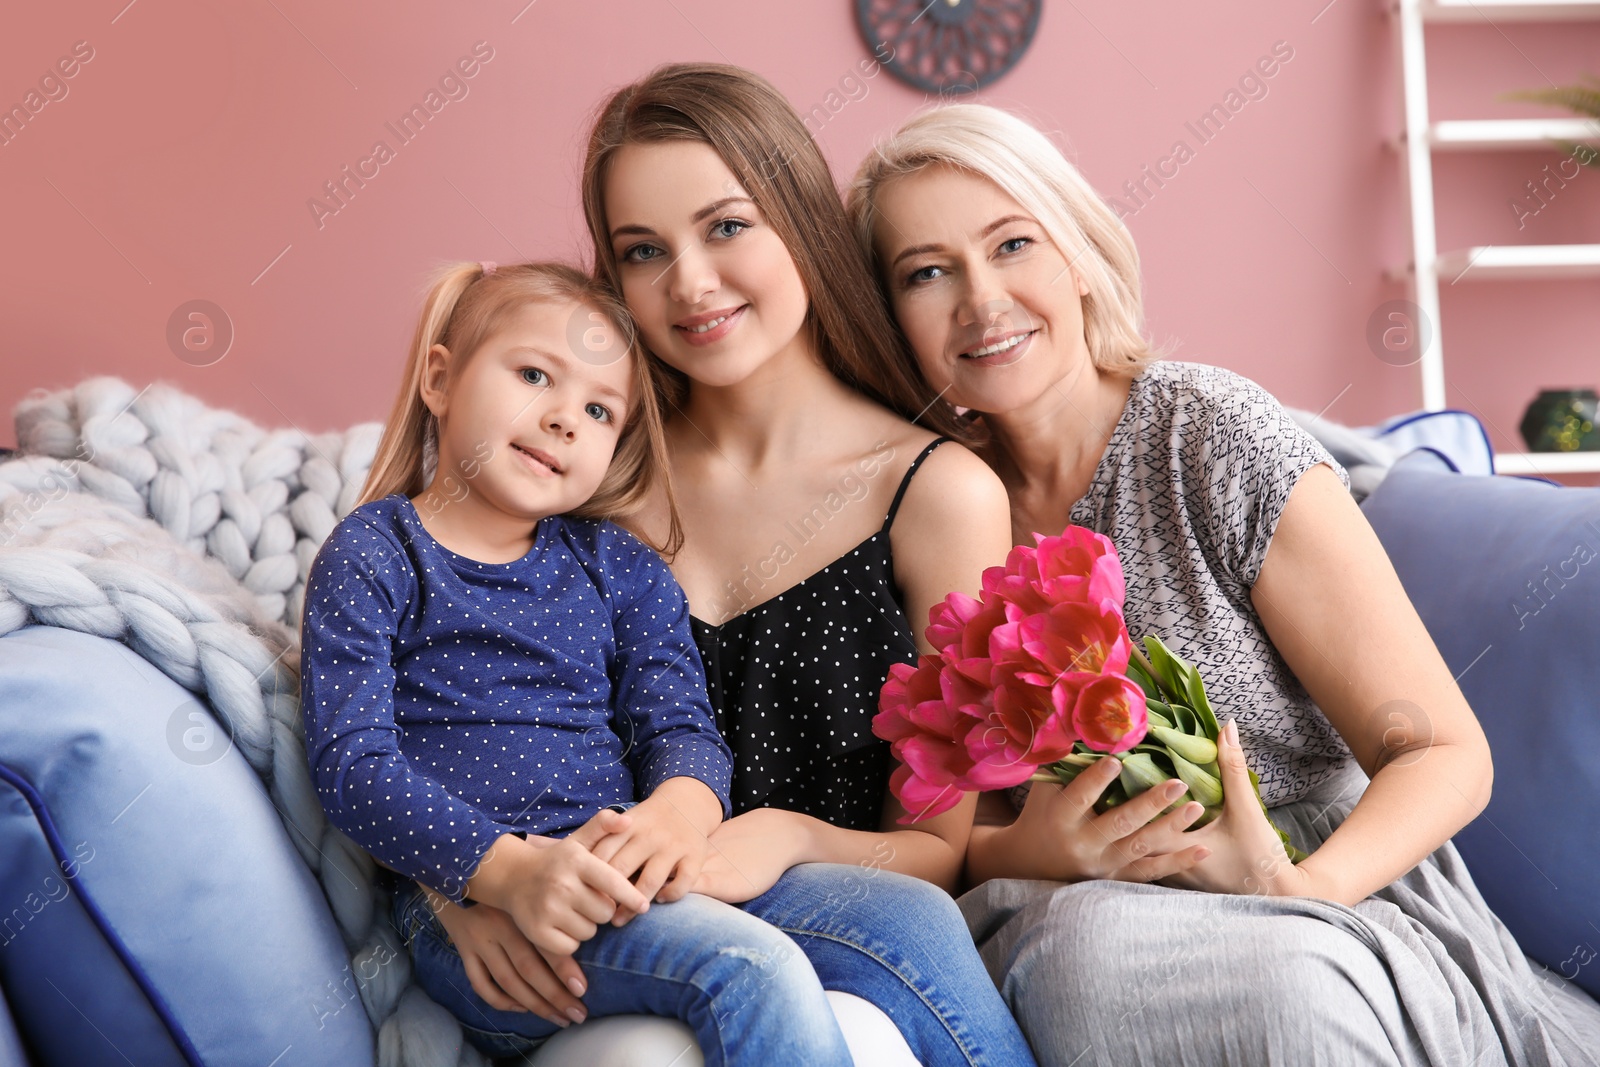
[[1037, 680]]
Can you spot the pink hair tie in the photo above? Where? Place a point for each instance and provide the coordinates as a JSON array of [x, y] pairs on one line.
[[488, 266]]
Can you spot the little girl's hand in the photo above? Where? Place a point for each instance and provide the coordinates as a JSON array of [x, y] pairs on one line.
[[1247, 855], [557, 892], [665, 846], [507, 970]]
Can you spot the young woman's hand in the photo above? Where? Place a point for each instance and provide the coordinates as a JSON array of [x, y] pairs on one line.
[[749, 853], [557, 892], [509, 971], [1247, 855], [666, 842], [1059, 837]]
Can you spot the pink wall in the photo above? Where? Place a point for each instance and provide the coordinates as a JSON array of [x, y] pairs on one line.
[[180, 163]]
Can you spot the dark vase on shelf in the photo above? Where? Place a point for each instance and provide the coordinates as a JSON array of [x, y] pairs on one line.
[[1563, 420]]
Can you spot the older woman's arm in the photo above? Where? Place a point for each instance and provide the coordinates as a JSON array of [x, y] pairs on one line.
[[1334, 608]]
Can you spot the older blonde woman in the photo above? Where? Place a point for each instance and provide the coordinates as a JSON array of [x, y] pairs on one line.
[[1018, 290]]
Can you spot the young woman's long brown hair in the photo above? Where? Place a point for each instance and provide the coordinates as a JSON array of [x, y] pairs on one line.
[[463, 307], [764, 143]]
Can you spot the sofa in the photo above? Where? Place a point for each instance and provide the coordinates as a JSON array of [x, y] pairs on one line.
[[175, 892], [163, 900]]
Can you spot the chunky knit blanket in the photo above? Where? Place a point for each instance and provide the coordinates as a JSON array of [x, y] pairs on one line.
[[187, 532]]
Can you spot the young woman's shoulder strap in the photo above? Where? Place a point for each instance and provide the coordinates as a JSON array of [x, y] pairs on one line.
[[906, 481]]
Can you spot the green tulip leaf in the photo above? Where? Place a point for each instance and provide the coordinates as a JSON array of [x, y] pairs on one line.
[[1168, 673], [1183, 681], [1202, 707], [1141, 678], [1111, 798], [1197, 750], [1181, 741], [1065, 772], [1186, 721], [1140, 772], [1206, 788], [1158, 713]]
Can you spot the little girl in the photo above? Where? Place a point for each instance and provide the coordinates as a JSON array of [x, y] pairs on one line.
[[489, 664]]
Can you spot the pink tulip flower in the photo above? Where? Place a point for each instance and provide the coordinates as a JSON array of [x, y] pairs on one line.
[[1110, 714]]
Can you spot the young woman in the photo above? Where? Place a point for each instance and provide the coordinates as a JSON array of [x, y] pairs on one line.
[[821, 523], [1018, 290]]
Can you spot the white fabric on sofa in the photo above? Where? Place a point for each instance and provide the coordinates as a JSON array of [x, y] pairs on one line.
[[643, 1041]]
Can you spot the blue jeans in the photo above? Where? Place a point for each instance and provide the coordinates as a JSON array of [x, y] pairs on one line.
[[900, 943], [895, 941], [742, 986]]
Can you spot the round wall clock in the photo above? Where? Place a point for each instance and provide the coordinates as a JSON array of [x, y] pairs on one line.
[[948, 46]]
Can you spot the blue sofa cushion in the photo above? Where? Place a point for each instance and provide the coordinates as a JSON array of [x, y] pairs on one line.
[[159, 913], [1505, 572]]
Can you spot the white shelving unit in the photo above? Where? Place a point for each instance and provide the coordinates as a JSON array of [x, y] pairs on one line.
[[1488, 262], [1542, 11], [1520, 263], [1510, 135]]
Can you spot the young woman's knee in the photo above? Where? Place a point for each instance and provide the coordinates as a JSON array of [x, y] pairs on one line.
[[873, 893]]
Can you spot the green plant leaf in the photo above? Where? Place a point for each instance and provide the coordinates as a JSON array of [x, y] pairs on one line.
[[1140, 772], [1061, 772], [1158, 713], [1581, 99], [1113, 796], [1186, 720], [1183, 701], [1197, 750], [1195, 689], [1166, 667], [1204, 787], [1142, 678]]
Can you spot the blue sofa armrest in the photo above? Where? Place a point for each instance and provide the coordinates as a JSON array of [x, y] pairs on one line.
[[1505, 573], [158, 912], [11, 1050]]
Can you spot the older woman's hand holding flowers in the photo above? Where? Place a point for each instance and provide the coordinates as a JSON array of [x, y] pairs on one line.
[[1038, 680]]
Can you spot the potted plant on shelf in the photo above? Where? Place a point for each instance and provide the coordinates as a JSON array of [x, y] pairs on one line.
[[1566, 420], [1583, 100]]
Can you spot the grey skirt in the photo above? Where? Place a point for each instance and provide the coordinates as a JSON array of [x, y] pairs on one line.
[[1419, 973]]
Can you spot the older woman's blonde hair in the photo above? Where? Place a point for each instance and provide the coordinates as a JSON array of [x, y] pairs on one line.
[[1023, 162]]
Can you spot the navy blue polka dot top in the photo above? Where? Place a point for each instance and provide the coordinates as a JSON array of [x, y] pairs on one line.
[[448, 702]]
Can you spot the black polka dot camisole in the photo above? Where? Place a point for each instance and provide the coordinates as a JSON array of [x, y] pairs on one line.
[[794, 684]]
